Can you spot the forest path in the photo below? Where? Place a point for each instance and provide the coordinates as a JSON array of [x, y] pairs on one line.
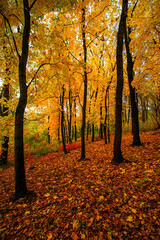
[[92, 199]]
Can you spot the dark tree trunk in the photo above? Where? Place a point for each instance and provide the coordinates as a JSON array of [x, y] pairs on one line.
[[93, 130], [105, 120], [75, 126], [20, 180], [62, 121], [5, 108], [101, 124], [118, 158], [70, 117], [59, 117], [4, 112], [134, 106], [48, 133], [108, 119], [85, 87]]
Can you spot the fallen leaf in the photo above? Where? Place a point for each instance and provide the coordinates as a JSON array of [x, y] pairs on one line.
[[129, 218]]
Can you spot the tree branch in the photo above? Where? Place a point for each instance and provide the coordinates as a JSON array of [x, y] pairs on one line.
[[36, 73], [7, 20], [16, 17], [32, 4], [96, 37]]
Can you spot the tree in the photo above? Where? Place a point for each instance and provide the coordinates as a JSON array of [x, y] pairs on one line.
[[85, 84], [134, 105], [118, 158], [5, 108], [62, 119]]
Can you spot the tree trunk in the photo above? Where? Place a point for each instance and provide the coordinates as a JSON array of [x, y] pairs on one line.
[[59, 117], [85, 87], [93, 130], [48, 133], [62, 121], [70, 116], [5, 108], [118, 158], [134, 106], [20, 181], [4, 154], [75, 126], [105, 120], [101, 124], [108, 119]]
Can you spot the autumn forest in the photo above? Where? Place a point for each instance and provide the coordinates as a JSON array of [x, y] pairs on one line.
[[80, 119]]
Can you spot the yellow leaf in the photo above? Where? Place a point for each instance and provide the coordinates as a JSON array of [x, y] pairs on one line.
[[55, 197], [80, 214], [49, 236], [134, 196], [27, 212], [75, 224], [83, 236], [47, 195], [133, 210], [101, 197], [129, 219], [74, 236]]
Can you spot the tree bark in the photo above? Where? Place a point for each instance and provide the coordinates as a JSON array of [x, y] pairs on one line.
[[101, 124], [118, 158], [20, 180], [134, 106], [70, 116], [85, 87], [108, 127], [93, 130], [105, 119], [75, 126], [62, 121], [4, 107], [4, 112], [48, 133]]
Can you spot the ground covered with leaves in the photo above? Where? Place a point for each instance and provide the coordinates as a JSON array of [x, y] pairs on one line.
[[92, 199]]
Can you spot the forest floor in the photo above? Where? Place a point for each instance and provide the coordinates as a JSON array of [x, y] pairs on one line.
[[92, 199]]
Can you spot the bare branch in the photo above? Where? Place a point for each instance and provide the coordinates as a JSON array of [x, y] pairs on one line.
[[96, 36], [36, 73], [134, 7], [16, 17], [32, 4], [98, 13], [14, 40]]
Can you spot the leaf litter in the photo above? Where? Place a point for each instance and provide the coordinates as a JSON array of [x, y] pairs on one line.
[[71, 199]]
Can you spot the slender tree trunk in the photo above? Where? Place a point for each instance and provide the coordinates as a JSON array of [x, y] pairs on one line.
[[48, 133], [70, 116], [62, 121], [85, 86], [118, 158], [134, 106], [108, 120], [59, 118], [5, 108], [20, 180], [75, 126], [105, 119], [4, 154], [101, 124], [93, 130]]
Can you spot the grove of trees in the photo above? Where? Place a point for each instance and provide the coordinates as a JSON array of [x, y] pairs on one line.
[[76, 69]]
